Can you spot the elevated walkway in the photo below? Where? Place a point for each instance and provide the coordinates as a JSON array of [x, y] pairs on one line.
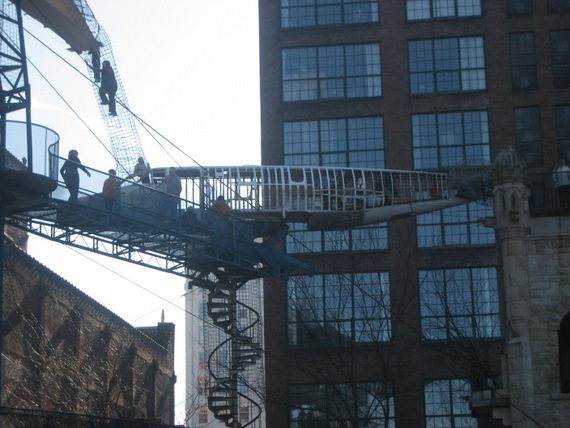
[[142, 229]]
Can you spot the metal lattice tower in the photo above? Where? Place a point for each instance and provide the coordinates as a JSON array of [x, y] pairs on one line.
[[121, 129]]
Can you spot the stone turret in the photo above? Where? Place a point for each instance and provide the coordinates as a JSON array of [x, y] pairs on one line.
[[511, 193]]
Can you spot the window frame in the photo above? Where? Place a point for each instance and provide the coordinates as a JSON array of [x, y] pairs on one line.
[[526, 136], [431, 10], [320, 73], [560, 59], [438, 137], [449, 312], [337, 310], [521, 61], [327, 403], [447, 65], [310, 18], [452, 410]]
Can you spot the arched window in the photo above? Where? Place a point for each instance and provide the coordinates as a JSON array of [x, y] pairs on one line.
[[564, 354]]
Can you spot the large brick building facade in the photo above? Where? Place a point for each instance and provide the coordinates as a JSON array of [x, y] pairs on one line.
[[415, 84], [65, 354]]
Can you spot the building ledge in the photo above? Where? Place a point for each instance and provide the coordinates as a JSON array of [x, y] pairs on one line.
[[560, 396]]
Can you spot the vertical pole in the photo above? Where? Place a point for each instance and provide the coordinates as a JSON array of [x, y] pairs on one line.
[[234, 361]]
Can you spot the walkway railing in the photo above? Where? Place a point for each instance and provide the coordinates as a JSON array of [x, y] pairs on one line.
[[309, 189]]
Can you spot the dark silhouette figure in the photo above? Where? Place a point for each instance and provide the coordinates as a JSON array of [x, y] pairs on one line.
[[95, 64], [70, 174], [108, 87]]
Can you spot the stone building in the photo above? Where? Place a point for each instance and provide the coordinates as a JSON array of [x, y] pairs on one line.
[[536, 275], [66, 354]]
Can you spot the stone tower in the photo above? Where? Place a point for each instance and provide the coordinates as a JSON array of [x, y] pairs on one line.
[[536, 271]]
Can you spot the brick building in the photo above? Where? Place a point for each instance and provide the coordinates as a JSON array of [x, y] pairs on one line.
[[66, 354], [404, 320]]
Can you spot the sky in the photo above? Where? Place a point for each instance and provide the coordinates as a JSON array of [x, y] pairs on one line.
[[190, 69]]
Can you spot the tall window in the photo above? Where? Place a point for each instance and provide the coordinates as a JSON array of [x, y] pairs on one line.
[[357, 142], [315, 73], [459, 303], [439, 9], [338, 310], [564, 354], [560, 46], [366, 238], [447, 404], [368, 404], [558, 6], [447, 65], [310, 13], [443, 140], [527, 134], [455, 227], [519, 7], [523, 61], [563, 130]]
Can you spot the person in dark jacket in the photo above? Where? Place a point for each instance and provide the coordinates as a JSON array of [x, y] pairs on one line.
[[70, 174], [108, 87]]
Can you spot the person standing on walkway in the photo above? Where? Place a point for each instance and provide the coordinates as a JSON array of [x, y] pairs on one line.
[[70, 174], [110, 190], [169, 201]]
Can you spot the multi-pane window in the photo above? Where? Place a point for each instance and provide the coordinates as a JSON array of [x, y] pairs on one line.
[[357, 142], [447, 404], [527, 134], [558, 6], [440, 9], [560, 51], [523, 61], [310, 13], [366, 238], [443, 140], [459, 303], [329, 404], [563, 130], [455, 227], [519, 7], [339, 309], [447, 65], [314, 73]]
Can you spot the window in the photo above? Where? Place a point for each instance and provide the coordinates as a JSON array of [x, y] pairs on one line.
[[446, 65], [310, 13], [560, 45], [519, 7], [331, 72], [558, 6], [203, 414], [563, 130], [336, 310], [527, 134], [455, 227], [459, 303], [439, 9], [523, 61], [357, 142], [564, 354], [329, 404], [447, 404], [366, 238], [443, 140]]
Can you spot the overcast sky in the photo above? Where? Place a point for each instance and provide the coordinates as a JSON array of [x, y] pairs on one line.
[[190, 69]]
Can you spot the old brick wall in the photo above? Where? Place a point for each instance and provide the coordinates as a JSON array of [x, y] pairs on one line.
[[65, 352]]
